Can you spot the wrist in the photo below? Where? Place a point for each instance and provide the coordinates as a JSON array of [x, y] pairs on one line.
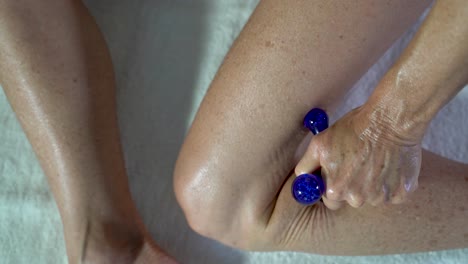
[[390, 122], [398, 109]]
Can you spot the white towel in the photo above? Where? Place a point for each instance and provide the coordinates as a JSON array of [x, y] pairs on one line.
[[165, 54]]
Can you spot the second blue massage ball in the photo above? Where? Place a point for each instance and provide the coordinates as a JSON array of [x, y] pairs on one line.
[[308, 189]]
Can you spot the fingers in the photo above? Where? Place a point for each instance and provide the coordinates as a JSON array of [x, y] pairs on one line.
[[336, 197], [309, 163], [406, 187], [357, 179], [356, 196], [397, 195], [376, 190], [408, 174]]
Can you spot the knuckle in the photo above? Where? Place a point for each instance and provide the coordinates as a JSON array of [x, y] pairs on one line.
[[356, 203], [355, 199], [334, 193]]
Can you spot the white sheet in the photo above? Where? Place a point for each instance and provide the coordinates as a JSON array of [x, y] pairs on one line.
[[165, 55]]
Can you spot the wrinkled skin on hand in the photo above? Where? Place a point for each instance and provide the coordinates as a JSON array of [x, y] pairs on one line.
[[364, 160]]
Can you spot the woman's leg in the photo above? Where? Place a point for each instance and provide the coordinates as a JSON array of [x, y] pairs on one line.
[[57, 74], [434, 218], [291, 56]]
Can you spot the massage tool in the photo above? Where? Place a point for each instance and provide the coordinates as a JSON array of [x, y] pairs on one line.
[[308, 188]]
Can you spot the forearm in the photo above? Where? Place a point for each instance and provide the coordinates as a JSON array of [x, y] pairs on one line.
[[57, 74], [432, 69]]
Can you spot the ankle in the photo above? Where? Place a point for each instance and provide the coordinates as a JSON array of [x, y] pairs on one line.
[[112, 242]]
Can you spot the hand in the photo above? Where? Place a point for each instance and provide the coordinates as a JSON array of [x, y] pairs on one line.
[[364, 160]]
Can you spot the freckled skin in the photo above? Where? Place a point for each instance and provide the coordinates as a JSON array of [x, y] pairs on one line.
[[269, 44], [248, 156]]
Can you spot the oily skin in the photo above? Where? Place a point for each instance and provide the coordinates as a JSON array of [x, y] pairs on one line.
[[58, 77], [373, 154], [231, 177]]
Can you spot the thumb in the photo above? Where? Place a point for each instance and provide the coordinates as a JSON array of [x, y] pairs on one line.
[[310, 161]]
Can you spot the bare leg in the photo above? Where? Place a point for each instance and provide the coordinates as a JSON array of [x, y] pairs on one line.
[[433, 219], [292, 56], [57, 74]]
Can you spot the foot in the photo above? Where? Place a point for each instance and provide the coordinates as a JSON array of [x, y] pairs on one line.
[[122, 246]]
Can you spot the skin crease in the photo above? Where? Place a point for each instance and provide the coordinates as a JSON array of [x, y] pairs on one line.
[[58, 77], [234, 171], [373, 154]]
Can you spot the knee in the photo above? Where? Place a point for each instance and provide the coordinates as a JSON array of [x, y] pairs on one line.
[[190, 196], [209, 206], [193, 200]]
